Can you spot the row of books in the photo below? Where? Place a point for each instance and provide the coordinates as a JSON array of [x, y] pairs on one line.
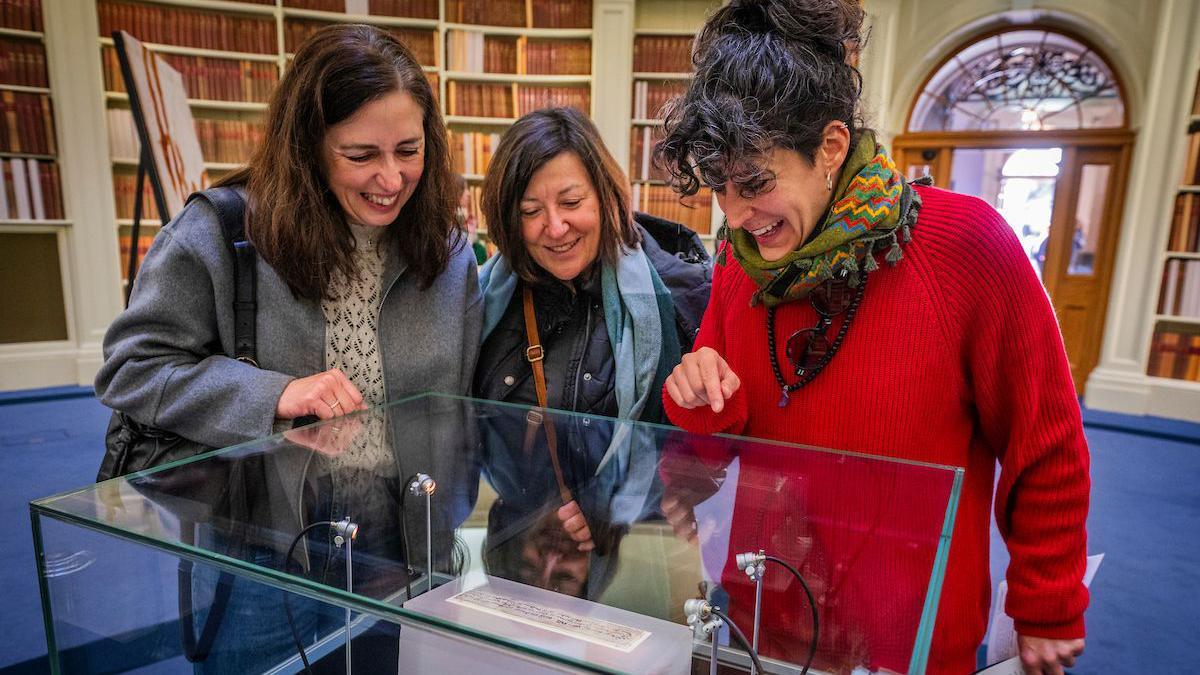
[[22, 62], [207, 78], [125, 192], [660, 200], [125, 242], [221, 140], [650, 97], [662, 54], [555, 57], [413, 9], [641, 154], [26, 123], [530, 98], [494, 13], [1191, 167], [32, 190], [522, 13], [471, 151], [21, 14], [1180, 294], [189, 27], [1185, 224], [560, 13], [476, 192], [229, 141], [122, 134], [1175, 352], [481, 99], [475, 52], [422, 41]]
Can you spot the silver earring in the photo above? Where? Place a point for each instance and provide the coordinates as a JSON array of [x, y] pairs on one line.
[[828, 181]]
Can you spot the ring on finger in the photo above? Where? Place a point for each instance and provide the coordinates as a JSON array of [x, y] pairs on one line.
[[335, 405]]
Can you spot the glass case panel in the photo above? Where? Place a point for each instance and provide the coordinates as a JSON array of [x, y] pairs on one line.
[[448, 533]]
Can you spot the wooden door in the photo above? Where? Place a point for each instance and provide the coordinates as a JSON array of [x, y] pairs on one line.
[[918, 161], [1082, 246]]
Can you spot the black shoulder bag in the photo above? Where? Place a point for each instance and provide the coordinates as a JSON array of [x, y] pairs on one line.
[[130, 446]]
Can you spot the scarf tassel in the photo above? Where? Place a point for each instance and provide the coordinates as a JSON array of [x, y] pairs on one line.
[[894, 254], [869, 263]]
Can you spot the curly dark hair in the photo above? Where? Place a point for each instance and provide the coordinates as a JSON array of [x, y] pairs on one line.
[[768, 74]]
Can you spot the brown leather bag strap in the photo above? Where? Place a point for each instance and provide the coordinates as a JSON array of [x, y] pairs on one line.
[[535, 353]]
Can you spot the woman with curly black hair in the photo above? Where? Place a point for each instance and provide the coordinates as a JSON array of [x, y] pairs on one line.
[[853, 310]]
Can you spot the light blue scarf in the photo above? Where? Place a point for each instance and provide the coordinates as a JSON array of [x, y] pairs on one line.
[[640, 317]]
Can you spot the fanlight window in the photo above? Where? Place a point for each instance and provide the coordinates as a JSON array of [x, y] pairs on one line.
[[1021, 80]]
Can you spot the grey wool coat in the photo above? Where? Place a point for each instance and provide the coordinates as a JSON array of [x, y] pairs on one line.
[[165, 360]]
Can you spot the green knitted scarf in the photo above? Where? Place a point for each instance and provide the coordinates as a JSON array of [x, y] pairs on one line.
[[873, 205]]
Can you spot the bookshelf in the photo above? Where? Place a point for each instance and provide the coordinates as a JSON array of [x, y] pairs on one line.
[[661, 71], [504, 59], [34, 228], [1175, 341]]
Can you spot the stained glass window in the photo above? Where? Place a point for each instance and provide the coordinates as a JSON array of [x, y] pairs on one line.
[[1021, 80]]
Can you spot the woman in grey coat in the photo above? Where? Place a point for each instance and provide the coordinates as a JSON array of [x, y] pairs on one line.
[[365, 294]]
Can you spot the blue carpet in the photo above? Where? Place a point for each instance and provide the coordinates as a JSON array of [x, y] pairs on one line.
[[1145, 510], [49, 443]]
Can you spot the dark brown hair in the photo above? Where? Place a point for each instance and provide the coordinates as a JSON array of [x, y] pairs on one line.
[[532, 141], [296, 222], [768, 73]]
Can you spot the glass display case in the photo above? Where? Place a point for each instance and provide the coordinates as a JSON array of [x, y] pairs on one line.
[[443, 534]]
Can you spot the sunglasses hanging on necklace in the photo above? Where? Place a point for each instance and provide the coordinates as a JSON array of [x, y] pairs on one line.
[[809, 349]]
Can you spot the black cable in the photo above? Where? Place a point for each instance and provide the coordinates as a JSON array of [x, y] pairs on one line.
[[740, 637], [408, 567], [287, 607], [812, 646]]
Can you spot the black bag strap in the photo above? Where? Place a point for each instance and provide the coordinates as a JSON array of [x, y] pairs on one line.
[[231, 212]]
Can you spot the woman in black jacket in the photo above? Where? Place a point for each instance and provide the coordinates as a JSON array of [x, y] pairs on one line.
[[557, 208], [587, 308]]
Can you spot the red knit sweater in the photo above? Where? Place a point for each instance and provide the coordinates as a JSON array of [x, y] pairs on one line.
[[955, 357]]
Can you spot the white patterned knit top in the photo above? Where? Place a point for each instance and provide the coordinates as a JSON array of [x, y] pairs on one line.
[[352, 318], [352, 346]]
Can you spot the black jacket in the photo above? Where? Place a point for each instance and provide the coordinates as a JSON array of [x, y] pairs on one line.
[[579, 364]]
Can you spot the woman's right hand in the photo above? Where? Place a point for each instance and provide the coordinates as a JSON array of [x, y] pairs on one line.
[[702, 378], [328, 394]]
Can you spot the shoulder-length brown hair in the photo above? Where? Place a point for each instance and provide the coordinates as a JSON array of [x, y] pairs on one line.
[[532, 141], [296, 222]]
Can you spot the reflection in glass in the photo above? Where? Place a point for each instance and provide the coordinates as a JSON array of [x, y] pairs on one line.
[[606, 538], [1021, 80], [1089, 210]]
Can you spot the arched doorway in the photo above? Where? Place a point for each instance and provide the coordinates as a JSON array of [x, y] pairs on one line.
[[1032, 120]]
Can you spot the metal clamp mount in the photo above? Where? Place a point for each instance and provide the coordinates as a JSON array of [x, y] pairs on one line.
[[705, 624], [755, 567]]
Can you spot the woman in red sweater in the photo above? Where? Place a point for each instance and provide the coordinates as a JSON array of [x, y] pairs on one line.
[[854, 311]]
